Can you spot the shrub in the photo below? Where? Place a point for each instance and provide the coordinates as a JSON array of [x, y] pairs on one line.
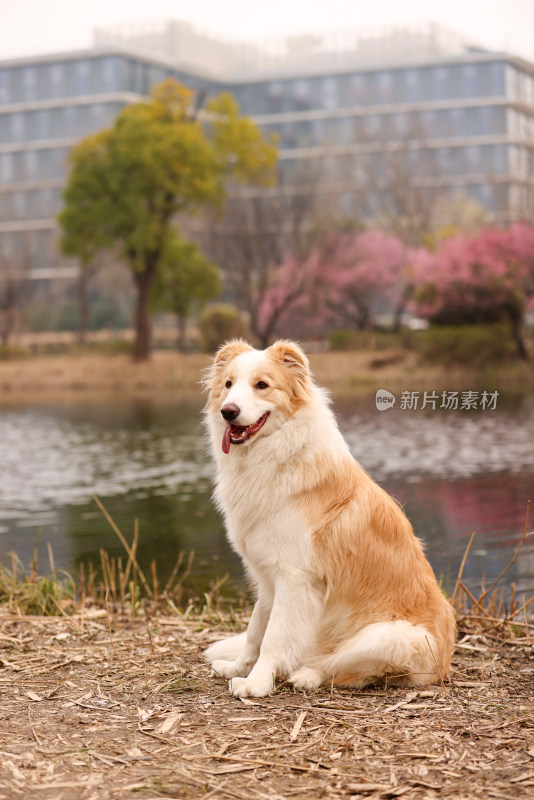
[[466, 345], [344, 340], [219, 323]]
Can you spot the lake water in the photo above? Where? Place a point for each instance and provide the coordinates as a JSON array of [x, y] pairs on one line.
[[454, 471]]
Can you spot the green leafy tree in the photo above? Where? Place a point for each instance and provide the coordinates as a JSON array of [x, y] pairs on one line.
[[186, 281], [161, 157]]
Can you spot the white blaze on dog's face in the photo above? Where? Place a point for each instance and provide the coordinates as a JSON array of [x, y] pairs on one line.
[[253, 392]]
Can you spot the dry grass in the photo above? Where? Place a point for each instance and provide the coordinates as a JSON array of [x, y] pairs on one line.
[[100, 705], [111, 698]]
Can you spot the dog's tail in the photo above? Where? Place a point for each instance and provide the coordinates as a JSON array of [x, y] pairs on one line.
[[227, 649]]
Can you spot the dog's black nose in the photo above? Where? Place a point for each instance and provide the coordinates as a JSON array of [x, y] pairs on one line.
[[230, 411]]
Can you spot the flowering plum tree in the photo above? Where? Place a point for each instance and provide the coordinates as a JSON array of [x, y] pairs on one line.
[[474, 278], [367, 269]]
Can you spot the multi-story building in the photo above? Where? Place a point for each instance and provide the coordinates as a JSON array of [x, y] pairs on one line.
[[463, 116]]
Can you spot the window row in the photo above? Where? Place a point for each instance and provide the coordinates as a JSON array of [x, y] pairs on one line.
[[408, 165], [521, 125], [34, 165], [33, 249], [444, 124], [26, 205], [416, 84], [520, 85], [81, 77], [60, 79], [56, 123]]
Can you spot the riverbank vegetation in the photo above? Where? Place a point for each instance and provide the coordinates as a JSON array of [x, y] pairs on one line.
[[41, 367]]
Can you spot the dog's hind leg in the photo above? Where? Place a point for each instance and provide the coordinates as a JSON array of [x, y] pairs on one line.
[[307, 678], [406, 653]]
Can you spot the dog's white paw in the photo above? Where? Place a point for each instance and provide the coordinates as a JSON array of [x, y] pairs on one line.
[[306, 678], [250, 687], [227, 669]]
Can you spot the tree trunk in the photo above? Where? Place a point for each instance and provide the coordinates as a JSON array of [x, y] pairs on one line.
[[401, 307], [83, 305], [143, 329], [182, 332], [517, 336]]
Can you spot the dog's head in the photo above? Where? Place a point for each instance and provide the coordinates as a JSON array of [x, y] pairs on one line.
[[253, 392]]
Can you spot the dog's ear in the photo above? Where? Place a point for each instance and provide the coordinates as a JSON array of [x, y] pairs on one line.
[[293, 359], [229, 351]]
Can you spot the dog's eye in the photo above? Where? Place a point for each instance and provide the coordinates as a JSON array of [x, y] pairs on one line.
[[228, 384], [262, 385]]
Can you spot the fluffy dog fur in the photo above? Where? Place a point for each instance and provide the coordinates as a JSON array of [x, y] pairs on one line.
[[345, 594]]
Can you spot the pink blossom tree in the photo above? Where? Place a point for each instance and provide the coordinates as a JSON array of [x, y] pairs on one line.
[[477, 278], [367, 270]]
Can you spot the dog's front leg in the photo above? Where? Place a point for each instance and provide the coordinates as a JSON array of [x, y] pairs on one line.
[[288, 637], [255, 632]]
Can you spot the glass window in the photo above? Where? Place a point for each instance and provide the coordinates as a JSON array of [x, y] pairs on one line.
[[44, 250], [43, 126], [400, 125], [97, 116], [358, 89], [109, 75], [499, 158], [56, 80], [19, 205], [275, 91], [289, 135], [372, 128], [83, 77], [69, 122], [472, 159], [30, 165], [56, 115], [318, 131], [512, 87], [513, 123], [28, 83], [302, 93], [303, 133], [484, 120], [412, 85], [456, 122], [346, 130], [428, 124], [16, 127], [496, 78], [329, 93], [441, 83], [384, 86], [7, 167], [5, 86], [469, 78]]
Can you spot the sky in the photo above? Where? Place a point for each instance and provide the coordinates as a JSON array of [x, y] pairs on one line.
[[32, 27]]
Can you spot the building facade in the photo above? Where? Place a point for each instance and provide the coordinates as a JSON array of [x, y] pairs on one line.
[[462, 117]]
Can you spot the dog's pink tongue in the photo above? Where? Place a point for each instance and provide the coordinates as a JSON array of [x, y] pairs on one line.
[[226, 439]]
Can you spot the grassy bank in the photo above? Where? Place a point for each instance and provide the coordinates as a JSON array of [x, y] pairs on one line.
[[83, 374]]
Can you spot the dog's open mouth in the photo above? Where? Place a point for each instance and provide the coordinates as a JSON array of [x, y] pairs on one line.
[[238, 434]]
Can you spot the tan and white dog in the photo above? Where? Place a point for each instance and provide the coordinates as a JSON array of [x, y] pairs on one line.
[[345, 593]]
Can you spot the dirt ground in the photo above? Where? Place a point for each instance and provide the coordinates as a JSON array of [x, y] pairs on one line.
[[97, 707]]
